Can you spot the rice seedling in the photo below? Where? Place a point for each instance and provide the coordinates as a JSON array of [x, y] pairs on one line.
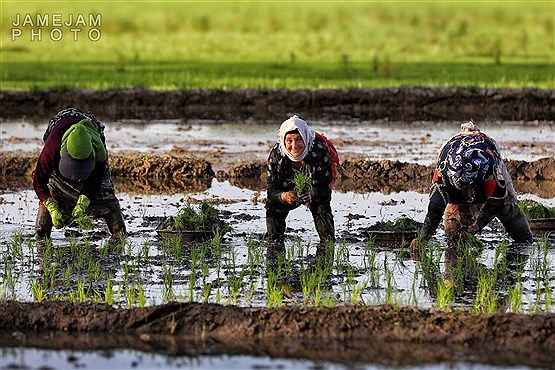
[[329, 301], [109, 292], [445, 295], [38, 290], [167, 279], [250, 292], [191, 285], [15, 248], [413, 297], [217, 298], [342, 259], [486, 297], [371, 253], [141, 297], [130, 296], [206, 217], [356, 291], [303, 182], [515, 296], [390, 294], [84, 222], [274, 290], [532, 209], [206, 288], [233, 288], [81, 293], [309, 280]]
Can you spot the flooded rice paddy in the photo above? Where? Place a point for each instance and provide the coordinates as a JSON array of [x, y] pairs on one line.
[[147, 270]]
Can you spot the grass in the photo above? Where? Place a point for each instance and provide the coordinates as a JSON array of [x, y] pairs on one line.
[[267, 45]]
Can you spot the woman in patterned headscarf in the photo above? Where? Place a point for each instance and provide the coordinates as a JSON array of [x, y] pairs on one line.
[[471, 186], [299, 150]]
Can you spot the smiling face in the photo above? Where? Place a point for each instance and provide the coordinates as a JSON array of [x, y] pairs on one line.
[[294, 144]]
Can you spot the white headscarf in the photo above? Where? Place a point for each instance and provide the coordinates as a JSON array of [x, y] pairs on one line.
[[292, 124], [469, 127]]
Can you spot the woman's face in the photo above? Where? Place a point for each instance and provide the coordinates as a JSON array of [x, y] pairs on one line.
[[294, 144]]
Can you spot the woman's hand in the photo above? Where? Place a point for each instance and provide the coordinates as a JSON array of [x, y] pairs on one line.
[[288, 197]]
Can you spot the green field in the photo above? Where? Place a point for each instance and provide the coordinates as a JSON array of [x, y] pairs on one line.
[[223, 45]]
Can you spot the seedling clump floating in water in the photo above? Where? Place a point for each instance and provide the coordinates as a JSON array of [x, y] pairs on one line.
[[189, 218], [402, 223], [532, 209]]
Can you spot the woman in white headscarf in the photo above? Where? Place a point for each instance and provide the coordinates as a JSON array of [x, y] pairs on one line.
[[299, 150]]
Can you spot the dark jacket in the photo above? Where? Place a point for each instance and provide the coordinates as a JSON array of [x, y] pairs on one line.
[[317, 165]]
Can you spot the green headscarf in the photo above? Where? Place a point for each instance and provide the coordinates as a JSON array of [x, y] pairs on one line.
[[81, 140]]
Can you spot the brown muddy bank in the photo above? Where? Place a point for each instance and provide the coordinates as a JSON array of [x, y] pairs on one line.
[[390, 334], [166, 173], [396, 104]]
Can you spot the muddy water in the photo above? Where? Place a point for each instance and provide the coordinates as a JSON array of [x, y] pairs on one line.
[[244, 210], [245, 213], [222, 143]]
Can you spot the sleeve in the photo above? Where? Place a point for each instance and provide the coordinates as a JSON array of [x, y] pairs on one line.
[[46, 163], [92, 186], [322, 173], [439, 199], [431, 221], [274, 182], [438, 191]]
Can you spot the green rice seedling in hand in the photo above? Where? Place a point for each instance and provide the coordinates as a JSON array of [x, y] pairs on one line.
[[303, 183], [84, 222]]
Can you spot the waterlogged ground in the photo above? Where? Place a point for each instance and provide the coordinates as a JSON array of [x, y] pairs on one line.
[[232, 271], [148, 270], [225, 143]]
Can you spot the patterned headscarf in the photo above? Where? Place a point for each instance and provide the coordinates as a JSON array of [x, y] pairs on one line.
[[292, 124], [466, 165]]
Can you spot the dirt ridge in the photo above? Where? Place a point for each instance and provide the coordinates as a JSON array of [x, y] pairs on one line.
[[166, 174], [396, 104], [231, 323]]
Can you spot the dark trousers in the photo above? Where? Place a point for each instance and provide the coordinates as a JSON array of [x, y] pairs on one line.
[[459, 217], [275, 224]]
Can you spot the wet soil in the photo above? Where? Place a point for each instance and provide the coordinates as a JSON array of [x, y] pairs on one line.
[[357, 332], [389, 335], [167, 173], [401, 104]]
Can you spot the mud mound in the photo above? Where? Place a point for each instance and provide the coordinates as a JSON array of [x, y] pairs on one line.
[[20, 166], [233, 324], [399, 104], [542, 169], [147, 185], [165, 173], [257, 169], [159, 166], [384, 170], [151, 173]]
